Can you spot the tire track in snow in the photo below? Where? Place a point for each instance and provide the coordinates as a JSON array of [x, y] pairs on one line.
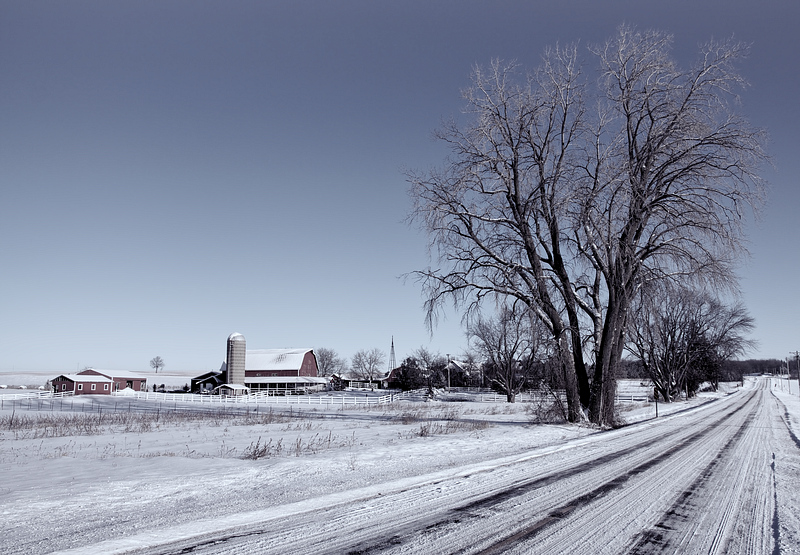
[[475, 510], [776, 523], [562, 512], [731, 507], [662, 536], [413, 524]]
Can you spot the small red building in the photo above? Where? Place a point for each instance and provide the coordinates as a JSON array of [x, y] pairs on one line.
[[120, 380], [98, 382], [82, 385]]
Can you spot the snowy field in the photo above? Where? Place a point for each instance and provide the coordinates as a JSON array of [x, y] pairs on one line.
[[95, 474]]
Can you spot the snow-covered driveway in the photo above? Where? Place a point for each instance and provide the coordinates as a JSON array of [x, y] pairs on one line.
[[720, 479]]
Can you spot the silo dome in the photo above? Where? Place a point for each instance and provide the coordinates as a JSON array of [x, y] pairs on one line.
[[236, 337]]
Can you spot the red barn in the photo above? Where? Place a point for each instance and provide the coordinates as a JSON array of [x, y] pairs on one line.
[[282, 369]]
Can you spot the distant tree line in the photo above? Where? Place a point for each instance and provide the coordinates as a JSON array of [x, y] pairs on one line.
[[678, 338], [729, 370]]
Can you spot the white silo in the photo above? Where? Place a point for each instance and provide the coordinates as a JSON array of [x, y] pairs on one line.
[[235, 359]]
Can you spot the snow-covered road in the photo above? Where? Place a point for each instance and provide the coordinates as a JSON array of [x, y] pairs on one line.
[[719, 479]]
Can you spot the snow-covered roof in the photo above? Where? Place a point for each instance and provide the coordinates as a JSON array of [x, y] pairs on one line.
[[287, 379], [275, 359], [85, 378], [460, 365], [115, 373], [234, 386], [209, 374]]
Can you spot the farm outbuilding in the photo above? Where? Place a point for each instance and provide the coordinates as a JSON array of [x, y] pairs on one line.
[[121, 379], [205, 383], [232, 390], [98, 382], [381, 380], [82, 384]]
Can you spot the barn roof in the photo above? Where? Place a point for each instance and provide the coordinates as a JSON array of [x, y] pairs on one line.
[[210, 374], [287, 379], [84, 378], [114, 373], [275, 359]]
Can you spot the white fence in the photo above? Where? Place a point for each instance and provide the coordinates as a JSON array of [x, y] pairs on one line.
[[338, 399], [262, 398], [35, 394]]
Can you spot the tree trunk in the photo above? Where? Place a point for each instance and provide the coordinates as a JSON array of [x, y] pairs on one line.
[[604, 385], [580, 372], [570, 381]]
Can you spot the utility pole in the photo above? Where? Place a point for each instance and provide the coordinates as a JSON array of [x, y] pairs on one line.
[[797, 358]]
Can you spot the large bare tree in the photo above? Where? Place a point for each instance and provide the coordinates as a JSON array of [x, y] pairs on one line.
[[329, 362], [368, 364], [495, 213], [569, 210], [668, 183], [510, 343], [683, 336]]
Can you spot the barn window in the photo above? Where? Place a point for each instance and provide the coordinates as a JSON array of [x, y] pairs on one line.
[[105, 387], [80, 387], [94, 386]]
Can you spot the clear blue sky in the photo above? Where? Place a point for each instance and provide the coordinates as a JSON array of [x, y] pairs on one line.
[[175, 171]]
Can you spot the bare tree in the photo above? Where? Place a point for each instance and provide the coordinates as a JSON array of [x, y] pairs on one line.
[[367, 364], [682, 337], [668, 182], [495, 214], [157, 363], [571, 212], [510, 342], [329, 362]]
